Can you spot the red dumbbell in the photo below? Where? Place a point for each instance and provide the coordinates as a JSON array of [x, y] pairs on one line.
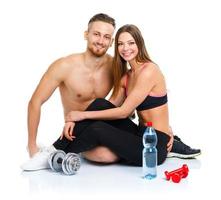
[[177, 174]]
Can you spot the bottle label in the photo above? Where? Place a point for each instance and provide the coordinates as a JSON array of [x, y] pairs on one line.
[[150, 159]]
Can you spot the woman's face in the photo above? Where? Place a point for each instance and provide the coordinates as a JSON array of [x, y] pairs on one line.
[[127, 46]]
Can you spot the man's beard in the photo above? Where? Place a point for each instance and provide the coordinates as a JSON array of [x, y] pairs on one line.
[[97, 52]]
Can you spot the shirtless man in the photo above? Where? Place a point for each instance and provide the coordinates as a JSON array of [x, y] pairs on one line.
[[92, 68]]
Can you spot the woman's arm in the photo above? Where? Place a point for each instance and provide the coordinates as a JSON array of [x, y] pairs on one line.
[[120, 97], [145, 82]]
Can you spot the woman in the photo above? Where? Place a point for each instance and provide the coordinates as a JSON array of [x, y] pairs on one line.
[[141, 88]]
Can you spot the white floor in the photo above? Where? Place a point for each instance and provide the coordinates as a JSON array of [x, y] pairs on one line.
[[111, 181]]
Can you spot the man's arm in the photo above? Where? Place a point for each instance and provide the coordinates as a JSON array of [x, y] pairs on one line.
[[49, 82]]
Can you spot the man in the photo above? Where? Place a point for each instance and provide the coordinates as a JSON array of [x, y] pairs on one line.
[[92, 69]]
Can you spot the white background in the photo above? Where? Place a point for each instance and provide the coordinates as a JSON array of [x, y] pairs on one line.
[[182, 36]]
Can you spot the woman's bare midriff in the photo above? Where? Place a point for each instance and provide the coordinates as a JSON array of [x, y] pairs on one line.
[[158, 116]]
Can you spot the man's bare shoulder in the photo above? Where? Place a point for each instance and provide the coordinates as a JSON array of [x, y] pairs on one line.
[[73, 57], [109, 58], [66, 63], [61, 67]]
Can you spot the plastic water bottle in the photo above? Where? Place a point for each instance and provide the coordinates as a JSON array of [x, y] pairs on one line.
[[149, 152]]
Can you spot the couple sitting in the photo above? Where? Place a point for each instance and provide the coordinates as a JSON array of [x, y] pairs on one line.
[[99, 129]]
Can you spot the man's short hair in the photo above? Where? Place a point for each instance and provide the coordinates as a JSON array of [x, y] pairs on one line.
[[104, 18]]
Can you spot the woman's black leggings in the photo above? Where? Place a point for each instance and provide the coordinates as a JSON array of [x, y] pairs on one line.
[[121, 136]]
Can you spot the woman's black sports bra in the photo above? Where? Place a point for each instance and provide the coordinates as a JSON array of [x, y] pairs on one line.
[[150, 101]]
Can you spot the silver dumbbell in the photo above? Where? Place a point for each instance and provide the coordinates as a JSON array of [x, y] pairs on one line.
[[68, 163]]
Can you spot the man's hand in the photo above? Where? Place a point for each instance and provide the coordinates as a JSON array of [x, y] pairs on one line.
[[68, 131], [75, 116], [170, 143]]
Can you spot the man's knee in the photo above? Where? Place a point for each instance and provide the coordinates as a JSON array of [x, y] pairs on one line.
[[101, 154], [100, 104]]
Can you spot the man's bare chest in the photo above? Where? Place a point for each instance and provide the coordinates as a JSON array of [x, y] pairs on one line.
[[88, 85]]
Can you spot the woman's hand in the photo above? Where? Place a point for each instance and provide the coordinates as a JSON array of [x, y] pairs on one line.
[[75, 116], [68, 131], [170, 143]]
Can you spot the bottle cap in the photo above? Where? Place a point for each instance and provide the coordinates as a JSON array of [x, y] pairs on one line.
[[149, 123]]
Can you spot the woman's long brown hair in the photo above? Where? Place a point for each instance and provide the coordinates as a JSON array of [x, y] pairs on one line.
[[119, 64]]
